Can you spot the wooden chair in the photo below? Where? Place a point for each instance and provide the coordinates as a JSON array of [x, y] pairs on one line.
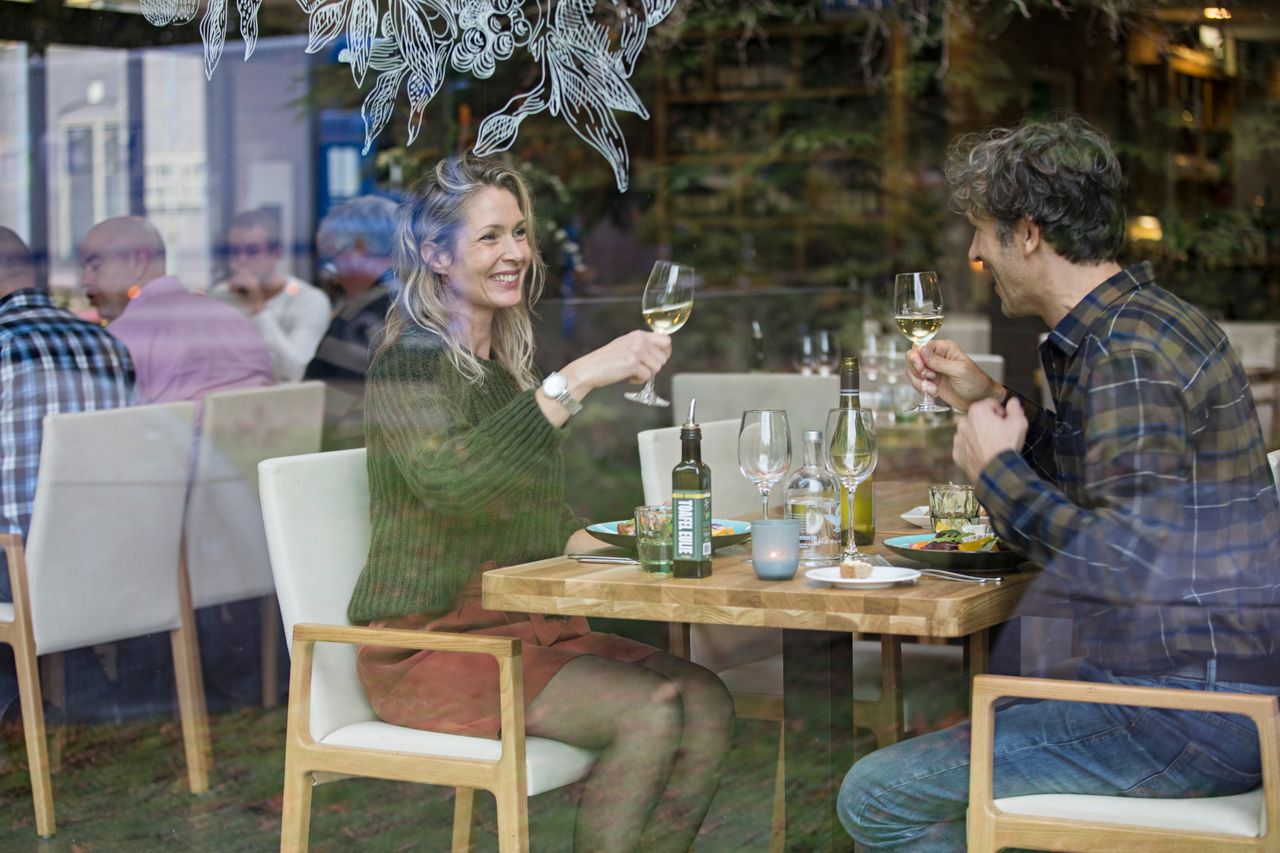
[[1078, 822], [226, 548], [749, 660], [99, 563], [316, 509]]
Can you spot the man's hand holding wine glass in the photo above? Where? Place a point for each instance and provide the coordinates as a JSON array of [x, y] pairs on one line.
[[946, 371]]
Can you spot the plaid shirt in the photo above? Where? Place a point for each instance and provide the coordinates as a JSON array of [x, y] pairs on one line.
[[1148, 494], [50, 361]]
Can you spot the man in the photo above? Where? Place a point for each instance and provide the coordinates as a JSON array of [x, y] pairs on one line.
[[358, 238], [290, 313], [1147, 496], [50, 362], [183, 345]]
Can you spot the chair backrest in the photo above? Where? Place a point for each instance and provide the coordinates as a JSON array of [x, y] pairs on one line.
[[1274, 458], [731, 493], [723, 396], [991, 363], [226, 548], [1257, 344], [316, 513], [972, 332], [106, 527]]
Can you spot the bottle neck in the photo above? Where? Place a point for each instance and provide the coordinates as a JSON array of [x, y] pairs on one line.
[[691, 447], [850, 399], [812, 452]]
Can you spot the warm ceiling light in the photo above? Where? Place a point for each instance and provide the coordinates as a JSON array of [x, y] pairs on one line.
[[1145, 228], [1217, 13]]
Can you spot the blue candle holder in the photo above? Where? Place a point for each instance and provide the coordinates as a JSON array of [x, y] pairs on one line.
[[775, 548]]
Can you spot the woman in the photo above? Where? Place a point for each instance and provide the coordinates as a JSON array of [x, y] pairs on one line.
[[465, 474]]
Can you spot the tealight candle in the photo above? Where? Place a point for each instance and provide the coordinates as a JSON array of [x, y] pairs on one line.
[[775, 548]]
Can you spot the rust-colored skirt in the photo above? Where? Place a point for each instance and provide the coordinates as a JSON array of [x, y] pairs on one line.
[[457, 692]]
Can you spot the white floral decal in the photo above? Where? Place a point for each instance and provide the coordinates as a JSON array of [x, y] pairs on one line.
[[584, 65]]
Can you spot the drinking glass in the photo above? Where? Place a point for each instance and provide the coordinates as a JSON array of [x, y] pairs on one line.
[[849, 451], [764, 450], [953, 507], [666, 306], [804, 360], [826, 352], [654, 541], [917, 309]]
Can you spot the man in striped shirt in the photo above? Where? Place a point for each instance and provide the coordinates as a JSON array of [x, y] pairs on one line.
[[1146, 496], [50, 362]]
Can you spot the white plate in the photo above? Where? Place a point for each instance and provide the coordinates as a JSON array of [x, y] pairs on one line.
[[881, 577], [919, 516]]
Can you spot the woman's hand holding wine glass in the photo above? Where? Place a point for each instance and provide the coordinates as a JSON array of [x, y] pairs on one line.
[[666, 306]]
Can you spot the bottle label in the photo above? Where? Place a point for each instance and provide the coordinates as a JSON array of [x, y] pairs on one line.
[[691, 516]]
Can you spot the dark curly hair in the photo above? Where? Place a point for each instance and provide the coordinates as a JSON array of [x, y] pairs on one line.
[[1060, 174]]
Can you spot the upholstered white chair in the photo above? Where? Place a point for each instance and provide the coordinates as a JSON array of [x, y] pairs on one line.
[[1274, 458], [723, 396], [1079, 822], [316, 510], [993, 364], [226, 549], [749, 660], [100, 563]]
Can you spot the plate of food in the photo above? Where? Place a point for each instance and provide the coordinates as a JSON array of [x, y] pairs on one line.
[[623, 533], [959, 550], [860, 575]]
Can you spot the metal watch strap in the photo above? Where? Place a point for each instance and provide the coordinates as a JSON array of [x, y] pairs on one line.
[[569, 401]]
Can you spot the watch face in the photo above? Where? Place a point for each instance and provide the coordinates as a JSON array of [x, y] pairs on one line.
[[554, 385]]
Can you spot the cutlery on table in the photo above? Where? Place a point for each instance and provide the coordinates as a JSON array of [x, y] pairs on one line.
[[942, 574], [604, 558]]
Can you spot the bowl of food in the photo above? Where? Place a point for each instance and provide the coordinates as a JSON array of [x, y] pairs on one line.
[[958, 550], [623, 533]]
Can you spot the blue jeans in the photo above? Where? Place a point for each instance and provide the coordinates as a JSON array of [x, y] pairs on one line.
[[913, 795]]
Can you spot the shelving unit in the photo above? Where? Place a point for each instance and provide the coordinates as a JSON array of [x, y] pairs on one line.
[[767, 154]]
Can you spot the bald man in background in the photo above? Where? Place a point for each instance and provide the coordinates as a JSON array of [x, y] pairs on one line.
[[184, 345]]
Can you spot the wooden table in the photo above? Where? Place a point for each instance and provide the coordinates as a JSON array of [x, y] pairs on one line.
[[816, 620]]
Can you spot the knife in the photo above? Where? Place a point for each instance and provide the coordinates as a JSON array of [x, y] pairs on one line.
[[604, 558]]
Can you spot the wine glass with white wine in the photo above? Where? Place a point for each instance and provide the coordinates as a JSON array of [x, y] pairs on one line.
[[850, 453], [917, 309], [666, 306]]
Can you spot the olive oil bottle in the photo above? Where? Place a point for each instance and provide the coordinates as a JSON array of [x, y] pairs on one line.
[[691, 505], [863, 527]]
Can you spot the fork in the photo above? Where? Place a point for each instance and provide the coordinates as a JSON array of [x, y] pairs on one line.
[[942, 574]]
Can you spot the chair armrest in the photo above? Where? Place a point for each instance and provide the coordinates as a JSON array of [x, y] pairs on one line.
[[498, 647], [1262, 709]]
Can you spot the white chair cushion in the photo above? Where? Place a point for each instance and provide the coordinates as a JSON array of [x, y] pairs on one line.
[[6, 612], [1243, 814], [550, 763]]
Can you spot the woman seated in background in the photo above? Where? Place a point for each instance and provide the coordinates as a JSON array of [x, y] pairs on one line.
[[465, 474]]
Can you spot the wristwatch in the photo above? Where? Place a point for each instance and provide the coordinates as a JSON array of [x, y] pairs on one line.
[[556, 387]]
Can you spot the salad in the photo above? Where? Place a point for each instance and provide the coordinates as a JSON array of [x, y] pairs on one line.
[[975, 537]]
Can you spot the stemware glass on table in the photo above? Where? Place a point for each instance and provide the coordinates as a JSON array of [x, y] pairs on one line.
[[666, 306], [917, 309], [850, 452], [764, 451], [804, 360], [826, 354]]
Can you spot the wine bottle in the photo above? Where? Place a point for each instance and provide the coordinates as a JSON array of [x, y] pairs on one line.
[[812, 497], [691, 505], [863, 524]]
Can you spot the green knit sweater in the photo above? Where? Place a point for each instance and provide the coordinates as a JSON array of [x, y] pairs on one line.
[[459, 473]]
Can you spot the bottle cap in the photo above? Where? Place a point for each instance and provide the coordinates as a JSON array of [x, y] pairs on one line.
[[813, 435]]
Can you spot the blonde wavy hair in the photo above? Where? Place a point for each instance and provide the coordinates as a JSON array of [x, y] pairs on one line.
[[434, 212]]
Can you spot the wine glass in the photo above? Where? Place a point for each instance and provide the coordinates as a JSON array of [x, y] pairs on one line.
[[849, 451], [666, 306], [917, 309], [804, 360], [826, 352], [764, 450]]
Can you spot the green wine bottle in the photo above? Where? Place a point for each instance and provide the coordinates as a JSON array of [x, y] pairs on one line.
[[691, 505], [864, 511]]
